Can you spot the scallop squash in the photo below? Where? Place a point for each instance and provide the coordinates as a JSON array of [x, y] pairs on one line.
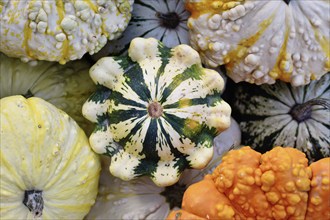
[[157, 111], [283, 115], [48, 169], [142, 199], [164, 20]]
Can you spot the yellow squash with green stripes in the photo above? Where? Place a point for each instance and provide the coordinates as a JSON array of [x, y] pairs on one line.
[[156, 111], [48, 170], [60, 30], [262, 41]]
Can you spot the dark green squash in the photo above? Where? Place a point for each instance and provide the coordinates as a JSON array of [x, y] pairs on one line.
[[280, 114]]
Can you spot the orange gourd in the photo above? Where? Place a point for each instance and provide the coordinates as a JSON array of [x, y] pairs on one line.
[[278, 184]]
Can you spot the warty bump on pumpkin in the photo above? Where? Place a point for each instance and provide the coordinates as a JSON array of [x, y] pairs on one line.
[[278, 184]]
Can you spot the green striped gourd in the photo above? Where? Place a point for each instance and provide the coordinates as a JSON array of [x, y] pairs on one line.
[[157, 111], [283, 115]]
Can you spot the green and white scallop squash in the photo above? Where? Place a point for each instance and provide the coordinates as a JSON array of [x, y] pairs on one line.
[[283, 115], [156, 111]]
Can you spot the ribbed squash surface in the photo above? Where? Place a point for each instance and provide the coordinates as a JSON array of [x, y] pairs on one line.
[[157, 111]]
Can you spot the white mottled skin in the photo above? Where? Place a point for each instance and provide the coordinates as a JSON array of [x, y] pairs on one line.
[[262, 41], [61, 31]]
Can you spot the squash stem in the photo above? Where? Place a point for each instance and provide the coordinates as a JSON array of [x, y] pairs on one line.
[[155, 109], [28, 94], [287, 1], [34, 202], [169, 20], [174, 195], [302, 112]]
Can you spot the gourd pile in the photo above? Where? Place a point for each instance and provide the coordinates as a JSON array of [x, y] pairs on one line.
[[167, 109]]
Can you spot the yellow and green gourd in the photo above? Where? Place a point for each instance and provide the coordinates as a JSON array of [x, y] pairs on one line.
[[47, 168], [156, 111], [58, 30]]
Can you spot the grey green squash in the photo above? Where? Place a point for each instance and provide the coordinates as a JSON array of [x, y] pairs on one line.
[[164, 20], [156, 111], [284, 115], [65, 86]]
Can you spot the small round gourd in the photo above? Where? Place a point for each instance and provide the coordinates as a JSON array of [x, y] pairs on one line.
[[157, 111], [48, 169], [65, 86], [163, 20], [263, 41], [58, 30], [283, 115]]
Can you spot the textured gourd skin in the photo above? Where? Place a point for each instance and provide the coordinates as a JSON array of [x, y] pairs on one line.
[[248, 185], [265, 115], [65, 86], [57, 30], [263, 41], [157, 111], [42, 148]]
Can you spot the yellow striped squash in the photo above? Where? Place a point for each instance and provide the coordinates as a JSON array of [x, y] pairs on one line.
[[47, 168]]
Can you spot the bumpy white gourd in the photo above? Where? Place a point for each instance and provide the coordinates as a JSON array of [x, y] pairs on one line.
[[58, 30], [263, 41]]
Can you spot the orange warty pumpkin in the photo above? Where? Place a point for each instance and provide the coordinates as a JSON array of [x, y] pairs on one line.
[[278, 184]]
